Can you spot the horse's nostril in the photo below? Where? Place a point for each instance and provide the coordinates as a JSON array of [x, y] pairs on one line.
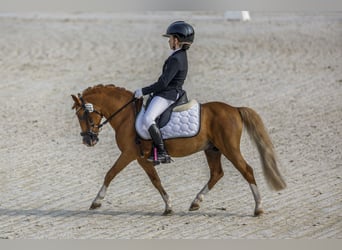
[[90, 140], [86, 140]]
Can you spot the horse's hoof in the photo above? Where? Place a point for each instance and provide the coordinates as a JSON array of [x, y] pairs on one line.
[[194, 207], [95, 206], [258, 212], [168, 212]]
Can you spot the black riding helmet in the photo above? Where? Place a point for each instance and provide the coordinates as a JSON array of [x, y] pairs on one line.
[[182, 30]]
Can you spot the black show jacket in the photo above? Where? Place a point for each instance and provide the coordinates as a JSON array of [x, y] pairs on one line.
[[172, 78]]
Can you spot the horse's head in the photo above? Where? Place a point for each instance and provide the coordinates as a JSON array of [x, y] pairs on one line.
[[89, 119]]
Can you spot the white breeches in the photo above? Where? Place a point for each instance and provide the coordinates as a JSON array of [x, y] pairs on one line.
[[157, 106]]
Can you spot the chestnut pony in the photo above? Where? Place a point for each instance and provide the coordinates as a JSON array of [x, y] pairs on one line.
[[220, 134]]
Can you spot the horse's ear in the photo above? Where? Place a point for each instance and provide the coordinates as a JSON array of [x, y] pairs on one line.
[[76, 100]]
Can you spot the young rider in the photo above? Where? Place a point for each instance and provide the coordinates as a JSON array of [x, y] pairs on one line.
[[169, 85]]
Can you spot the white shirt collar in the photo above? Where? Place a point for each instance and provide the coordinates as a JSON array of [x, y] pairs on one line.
[[174, 51]]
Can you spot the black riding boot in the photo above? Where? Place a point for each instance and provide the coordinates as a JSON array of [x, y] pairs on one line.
[[162, 155]]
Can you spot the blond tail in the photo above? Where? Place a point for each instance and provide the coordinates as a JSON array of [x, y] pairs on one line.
[[257, 132]]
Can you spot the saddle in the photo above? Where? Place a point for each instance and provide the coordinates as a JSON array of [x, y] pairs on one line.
[[180, 120], [164, 118]]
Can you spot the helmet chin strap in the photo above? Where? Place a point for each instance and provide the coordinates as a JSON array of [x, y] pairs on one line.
[[175, 39], [173, 43]]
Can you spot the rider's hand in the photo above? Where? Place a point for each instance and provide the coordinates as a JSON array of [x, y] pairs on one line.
[[138, 93]]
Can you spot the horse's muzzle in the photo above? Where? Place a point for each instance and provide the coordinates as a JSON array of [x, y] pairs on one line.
[[90, 139]]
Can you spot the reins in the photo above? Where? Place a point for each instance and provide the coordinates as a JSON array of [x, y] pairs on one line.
[[116, 112]]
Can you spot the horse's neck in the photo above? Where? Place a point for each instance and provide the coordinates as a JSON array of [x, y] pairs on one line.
[[111, 102], [108, 99]]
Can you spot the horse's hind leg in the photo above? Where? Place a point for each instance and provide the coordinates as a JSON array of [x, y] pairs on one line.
[[216, 173], [247, 172]]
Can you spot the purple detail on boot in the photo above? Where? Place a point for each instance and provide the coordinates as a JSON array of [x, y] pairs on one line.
[[155, 154]]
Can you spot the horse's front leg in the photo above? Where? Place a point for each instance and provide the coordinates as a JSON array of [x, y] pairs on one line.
[[153, 175], [120, 164]]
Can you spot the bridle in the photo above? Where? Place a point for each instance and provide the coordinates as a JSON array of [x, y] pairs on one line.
[[89, 108]]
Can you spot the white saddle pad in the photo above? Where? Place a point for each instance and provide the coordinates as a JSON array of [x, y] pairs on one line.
[[184, 122]]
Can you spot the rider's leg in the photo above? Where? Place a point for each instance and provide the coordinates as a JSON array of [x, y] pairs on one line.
[[162, 155], [157, 106]]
